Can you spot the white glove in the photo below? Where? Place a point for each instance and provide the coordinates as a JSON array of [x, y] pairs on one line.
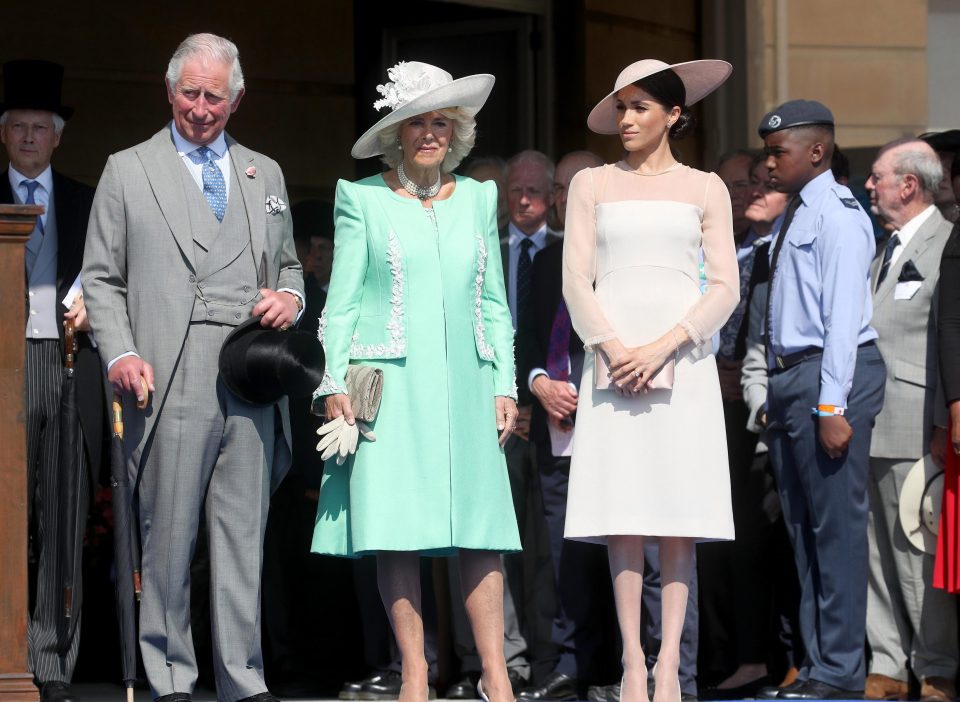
[[340, 439]]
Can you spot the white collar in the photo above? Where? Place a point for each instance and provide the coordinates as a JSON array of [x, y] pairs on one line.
[[539, 237], [911, 227], [185, 146], [45, 178]]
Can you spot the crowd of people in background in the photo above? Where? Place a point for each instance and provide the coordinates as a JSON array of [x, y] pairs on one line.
[[842, 580]]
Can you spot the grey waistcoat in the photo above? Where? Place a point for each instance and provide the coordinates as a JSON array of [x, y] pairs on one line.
[[226, 281]]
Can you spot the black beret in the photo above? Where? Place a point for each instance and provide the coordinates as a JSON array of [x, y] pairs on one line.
[[943, 141], [795, 113]]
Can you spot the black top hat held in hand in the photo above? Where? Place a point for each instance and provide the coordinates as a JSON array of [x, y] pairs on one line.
[[261, 365], [33, 85]]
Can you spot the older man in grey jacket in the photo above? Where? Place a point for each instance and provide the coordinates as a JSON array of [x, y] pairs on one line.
[[189, 236]]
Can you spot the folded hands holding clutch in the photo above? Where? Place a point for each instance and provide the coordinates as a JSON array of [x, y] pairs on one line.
[[633, 368]]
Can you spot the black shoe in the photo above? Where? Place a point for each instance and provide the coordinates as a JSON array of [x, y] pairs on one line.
[[556, 686], [816, 690], [387, 687], [517, 681], [746, 691], [351, 690], [464, 689], [172, 697], [604, 693], [259, 697], [56, 691], [769, 692]]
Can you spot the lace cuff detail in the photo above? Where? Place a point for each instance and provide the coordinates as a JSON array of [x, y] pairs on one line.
[[692, 332]]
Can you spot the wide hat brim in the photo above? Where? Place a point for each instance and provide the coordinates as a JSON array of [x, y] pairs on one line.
[[921, 498], [700, 78], [469, 92], [261, 365]]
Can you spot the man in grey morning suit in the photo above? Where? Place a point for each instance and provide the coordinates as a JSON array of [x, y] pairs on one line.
[[190, 234], [908, 621]]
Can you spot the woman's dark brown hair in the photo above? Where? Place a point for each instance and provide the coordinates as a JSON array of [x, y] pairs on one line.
[[667, 90]]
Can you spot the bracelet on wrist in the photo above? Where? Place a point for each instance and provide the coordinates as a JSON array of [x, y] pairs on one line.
[[828, 411]]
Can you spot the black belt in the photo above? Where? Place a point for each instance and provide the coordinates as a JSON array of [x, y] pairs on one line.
[[791, 359]]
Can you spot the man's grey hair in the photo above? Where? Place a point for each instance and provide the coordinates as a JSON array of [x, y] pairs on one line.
[[487, 162], [58, 122], [210, 47], [921, 161], [532, 157]]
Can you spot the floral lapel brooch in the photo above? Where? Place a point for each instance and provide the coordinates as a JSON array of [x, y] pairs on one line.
[[275, 205]]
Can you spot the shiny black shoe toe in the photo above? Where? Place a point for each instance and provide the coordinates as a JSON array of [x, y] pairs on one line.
[[816, 690], [56, 691], [172, 697], [259, 697], [463, 689], [555, 686]]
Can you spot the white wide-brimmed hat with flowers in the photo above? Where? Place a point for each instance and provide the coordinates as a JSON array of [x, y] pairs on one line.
[[415, 88], [700, 78]]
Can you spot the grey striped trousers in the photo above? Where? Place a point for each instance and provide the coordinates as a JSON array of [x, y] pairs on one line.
[[44, 378]]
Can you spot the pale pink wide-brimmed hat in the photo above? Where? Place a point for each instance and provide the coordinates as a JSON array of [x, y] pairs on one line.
[[700, 78]]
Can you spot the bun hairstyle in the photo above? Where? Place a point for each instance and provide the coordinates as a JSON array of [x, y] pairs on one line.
[[667, 90]]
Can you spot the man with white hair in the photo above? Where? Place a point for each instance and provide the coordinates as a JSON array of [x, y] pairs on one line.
[[190, 236], [908, 621], [31, 125]]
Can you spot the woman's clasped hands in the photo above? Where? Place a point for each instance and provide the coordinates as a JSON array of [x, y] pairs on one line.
[[632, 368]]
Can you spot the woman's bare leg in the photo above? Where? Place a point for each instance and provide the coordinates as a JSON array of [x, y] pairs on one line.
[[626, 570], [398, 576], [481, 579]]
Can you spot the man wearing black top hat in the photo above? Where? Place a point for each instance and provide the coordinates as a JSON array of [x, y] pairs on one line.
[[31, 124]]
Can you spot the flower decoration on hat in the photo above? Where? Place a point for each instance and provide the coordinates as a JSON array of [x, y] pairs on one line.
[[407, 83]]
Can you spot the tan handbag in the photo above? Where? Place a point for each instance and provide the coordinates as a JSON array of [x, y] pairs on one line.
[[365, 387]]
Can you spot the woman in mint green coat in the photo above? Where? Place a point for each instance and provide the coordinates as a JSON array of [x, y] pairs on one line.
[[417, 291]]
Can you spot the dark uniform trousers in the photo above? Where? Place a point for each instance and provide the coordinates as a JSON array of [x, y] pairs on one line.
[[825, 508]]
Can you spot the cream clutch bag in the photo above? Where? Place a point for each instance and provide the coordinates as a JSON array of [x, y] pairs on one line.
[[365, 388], [661, 380]]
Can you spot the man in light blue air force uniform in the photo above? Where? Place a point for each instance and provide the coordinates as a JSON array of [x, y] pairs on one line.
[[825, 389]]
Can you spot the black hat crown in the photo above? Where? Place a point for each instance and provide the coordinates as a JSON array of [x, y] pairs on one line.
[[33, 85], [262, 365]]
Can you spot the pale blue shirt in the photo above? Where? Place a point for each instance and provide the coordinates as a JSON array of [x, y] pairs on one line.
[[219, 149], [539, 239], [821, 289]]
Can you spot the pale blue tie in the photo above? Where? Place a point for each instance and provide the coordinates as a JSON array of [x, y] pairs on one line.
[[214, 186], [35, 242]]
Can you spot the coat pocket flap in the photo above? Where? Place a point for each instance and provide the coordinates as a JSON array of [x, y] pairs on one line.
[[913, 373]]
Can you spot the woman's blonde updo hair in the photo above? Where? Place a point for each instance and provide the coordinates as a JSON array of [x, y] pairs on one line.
[[461, 141]]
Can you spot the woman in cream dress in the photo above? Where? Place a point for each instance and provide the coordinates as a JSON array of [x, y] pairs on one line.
[[650, 462]]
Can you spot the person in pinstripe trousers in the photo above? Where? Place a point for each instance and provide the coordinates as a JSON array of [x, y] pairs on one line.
[[31, 125]]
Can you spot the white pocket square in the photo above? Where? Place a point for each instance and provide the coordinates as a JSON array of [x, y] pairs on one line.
[[275, 205]]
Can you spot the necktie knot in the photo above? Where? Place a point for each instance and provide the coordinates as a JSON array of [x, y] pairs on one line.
[[31, 186], [525, 245]]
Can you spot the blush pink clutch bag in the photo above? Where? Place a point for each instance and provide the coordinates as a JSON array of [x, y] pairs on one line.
[[662, 379]]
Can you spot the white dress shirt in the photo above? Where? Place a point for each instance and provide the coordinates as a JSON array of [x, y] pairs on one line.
[[909, 229]]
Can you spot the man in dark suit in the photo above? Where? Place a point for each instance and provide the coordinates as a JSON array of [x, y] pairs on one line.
[[529, 199], [31, 124]]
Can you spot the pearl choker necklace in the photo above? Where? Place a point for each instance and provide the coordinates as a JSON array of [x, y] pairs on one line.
[[416, 190]]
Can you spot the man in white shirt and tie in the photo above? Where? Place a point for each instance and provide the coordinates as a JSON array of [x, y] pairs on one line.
[[32, 119], [908, 621]]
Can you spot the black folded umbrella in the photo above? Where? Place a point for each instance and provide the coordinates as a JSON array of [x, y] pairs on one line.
[[71, 531], [126, 546]]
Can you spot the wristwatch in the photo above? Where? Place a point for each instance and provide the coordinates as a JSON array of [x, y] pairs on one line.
[[296, 298]]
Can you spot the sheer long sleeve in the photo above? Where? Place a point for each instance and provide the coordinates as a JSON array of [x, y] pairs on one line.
[[711, 311], [580, 262]]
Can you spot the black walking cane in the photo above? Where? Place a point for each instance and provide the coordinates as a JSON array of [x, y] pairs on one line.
[[70, 535], [126, 545]]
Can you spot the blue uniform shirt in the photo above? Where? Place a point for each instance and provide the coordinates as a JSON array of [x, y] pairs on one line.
[[821, 288]]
